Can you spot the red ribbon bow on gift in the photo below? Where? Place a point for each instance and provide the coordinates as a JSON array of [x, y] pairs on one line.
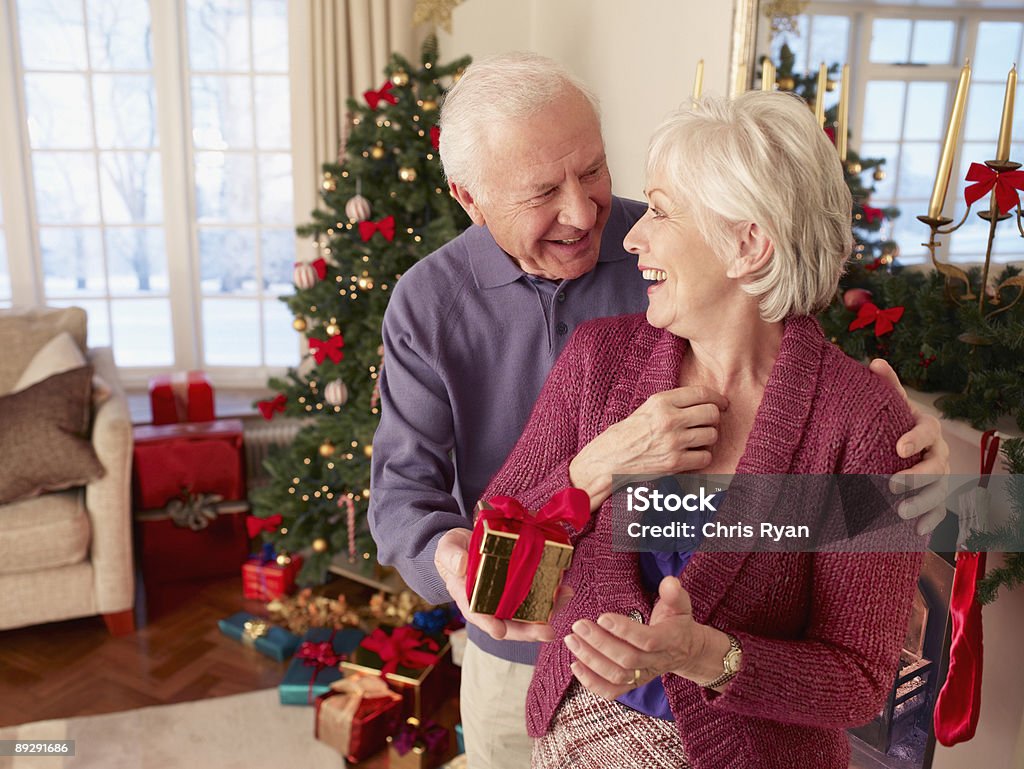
[[255, 525], [569, 506], [373, 98], [1006, 184], [276, 404], [330, 348], [884, 320], [430, 734], [385, 227], [405, 646], [318, 655]]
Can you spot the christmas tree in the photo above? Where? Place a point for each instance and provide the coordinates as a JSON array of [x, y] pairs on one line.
[[385, 206]]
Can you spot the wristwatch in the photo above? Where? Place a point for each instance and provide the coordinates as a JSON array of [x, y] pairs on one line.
[[730, 664]]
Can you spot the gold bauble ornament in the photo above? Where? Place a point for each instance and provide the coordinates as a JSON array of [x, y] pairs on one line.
[[853, 167], [326, 449], [332, 329], [377, 152], [429, 105], [786, 83], [879, 174], [299, 324], [400, 78], [330, 184], [368, 450], [407, 174], [319, 545]]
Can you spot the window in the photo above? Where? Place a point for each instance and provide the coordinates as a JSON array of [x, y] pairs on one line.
[[905, 61], [156, 147]]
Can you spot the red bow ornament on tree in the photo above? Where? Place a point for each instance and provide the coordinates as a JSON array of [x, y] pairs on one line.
[[404, 647], [871, 214], [385, 227], [1006, 183], [884, 320], [270, 407], [373, 98], [320, 265], [255, 525], [435, 137], [330, 348]]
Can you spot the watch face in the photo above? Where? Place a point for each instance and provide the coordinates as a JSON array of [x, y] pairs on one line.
[[732, 660]]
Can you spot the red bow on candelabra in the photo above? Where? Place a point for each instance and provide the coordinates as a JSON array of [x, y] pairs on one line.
[[884, 320], [255, 525], [373, 98], [330, 348], [385, 227], [272, 406], [1006, 184]]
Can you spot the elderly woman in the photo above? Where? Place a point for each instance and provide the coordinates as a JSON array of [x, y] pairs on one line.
[[748, 659]]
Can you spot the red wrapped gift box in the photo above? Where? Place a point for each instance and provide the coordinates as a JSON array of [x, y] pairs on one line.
[[189, 492], [267, 581], [357, 716], [181, 397]]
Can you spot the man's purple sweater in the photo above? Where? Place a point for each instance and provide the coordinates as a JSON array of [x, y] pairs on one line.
[[469, 339]]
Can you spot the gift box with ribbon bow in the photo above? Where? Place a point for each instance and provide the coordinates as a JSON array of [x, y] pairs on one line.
[[269, 575], [185, 396], [419, 745], [516, 559], [357, 715], [315, 665], [257, 633], [415, 664]]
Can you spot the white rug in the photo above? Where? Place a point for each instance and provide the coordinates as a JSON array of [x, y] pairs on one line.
[[245, 731]]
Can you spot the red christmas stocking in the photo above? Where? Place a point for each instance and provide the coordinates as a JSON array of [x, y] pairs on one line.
[[959, 703]]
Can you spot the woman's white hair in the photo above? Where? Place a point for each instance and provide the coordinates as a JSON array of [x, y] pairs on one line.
[[494, 94], [762, 158]]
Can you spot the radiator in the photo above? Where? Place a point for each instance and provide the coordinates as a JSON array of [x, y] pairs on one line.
[[260, 436]]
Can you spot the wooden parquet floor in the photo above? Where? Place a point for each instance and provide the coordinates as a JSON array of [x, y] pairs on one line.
[[76, 668]]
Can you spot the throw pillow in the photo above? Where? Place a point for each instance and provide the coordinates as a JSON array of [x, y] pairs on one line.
[[24, 332], [58, 355], [44, 437]]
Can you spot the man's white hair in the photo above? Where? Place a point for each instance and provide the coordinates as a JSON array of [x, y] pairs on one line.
[[493, 95], [762, 158]]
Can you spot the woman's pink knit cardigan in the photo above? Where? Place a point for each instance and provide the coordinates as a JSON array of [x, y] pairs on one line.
[[821, 633]]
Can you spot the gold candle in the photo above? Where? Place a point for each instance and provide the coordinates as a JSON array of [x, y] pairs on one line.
[[844, 113], [698, 80], [819, 95], [767, 75], [1006, 127], [956, 117]]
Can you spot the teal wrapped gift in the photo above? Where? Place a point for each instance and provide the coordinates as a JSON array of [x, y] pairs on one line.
[[277, 643], [315, 665]]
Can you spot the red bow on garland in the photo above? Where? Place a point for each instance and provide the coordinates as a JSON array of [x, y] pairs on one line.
[[871, 213], [255, 525], [385, 227], [330, 348], [569, 506], [373, 98], [884, 320], [276, 404], [405, 646], [874, 265], [435, 137], [1006, 184]]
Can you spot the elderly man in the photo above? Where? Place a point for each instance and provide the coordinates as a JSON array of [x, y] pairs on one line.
[[471, 333]]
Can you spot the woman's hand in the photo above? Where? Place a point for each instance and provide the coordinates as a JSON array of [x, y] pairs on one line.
[[616, 654]]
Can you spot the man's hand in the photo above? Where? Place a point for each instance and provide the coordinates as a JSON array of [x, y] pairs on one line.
[[672, 432], [450, 558], [928, 502]]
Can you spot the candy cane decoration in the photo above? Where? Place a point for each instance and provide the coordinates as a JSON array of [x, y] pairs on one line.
[[350, 513]]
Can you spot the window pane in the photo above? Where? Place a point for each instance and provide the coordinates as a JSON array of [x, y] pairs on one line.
[[52, 34], [131, 188], [66, 189], [998, 44], [797, 43], [890, 40], [917, 170], [142, 332], [276, 188], [125, 111], [119, 34], [984, 109], [224, 187], [883, 110], [231, 332], [58, 111], [98, 327], [933, 42], [227, 261], [218, 34], [909, 234], [137, 261], [281, 341], [221, 112], [278, 251], [885, 189], [72, 261], [926, 111], [270, 35], [273, 113], [829, 39]]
